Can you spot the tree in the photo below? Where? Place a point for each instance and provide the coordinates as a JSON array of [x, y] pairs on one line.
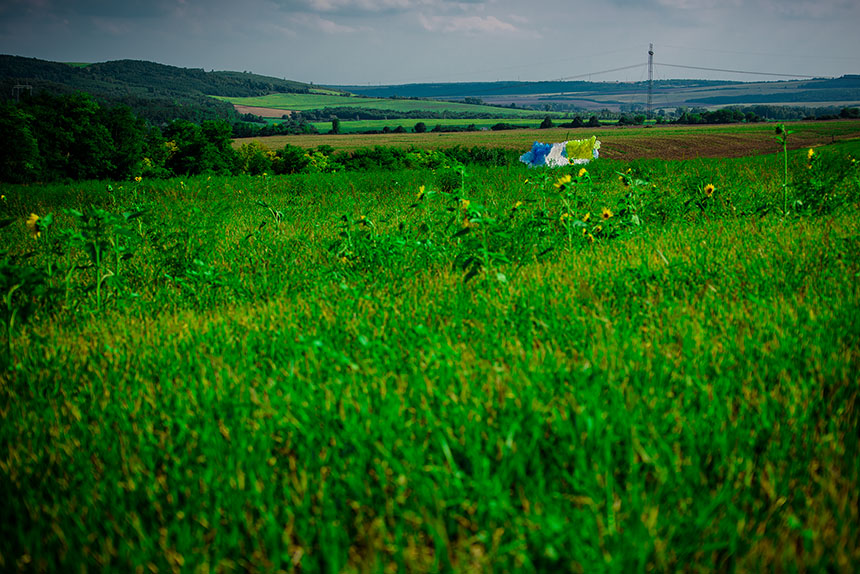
[[546, 123], [254, 159], [218, 155], [128, 134], [335, 125], [420, 128], [206, 148], [291, 159], [73, 142], [19, 151], [593, 122]]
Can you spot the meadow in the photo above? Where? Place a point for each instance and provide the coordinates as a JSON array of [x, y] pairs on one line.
[[640, 365], [357, 126], [303, 102]]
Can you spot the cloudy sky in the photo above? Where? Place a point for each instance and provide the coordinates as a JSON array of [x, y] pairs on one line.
[[406, 41]]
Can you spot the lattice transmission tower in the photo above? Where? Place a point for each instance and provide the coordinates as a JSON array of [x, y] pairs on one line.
[[650, 77]]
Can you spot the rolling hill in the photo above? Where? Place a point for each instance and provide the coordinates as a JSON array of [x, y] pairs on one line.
[[154, 91], [622, 96], [160, 93]]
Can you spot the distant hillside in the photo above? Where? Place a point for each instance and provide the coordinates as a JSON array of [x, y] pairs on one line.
[[502, 89], [615, 96], [156, 92]]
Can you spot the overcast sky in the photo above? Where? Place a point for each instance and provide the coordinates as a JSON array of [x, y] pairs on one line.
[[407, 41]]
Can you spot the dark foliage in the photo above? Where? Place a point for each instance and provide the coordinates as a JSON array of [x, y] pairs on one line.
[[72, 137], [155, 92]]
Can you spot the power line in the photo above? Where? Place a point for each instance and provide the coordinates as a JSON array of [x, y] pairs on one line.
[[782, 55], [568, 78], [737, 71], [515, 85]]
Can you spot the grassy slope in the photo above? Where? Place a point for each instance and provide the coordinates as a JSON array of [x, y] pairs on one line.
[[357, 126], [333, 394], [302, 102]]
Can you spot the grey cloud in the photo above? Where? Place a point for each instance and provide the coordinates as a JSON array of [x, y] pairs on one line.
[[99, 8], [377, 6]]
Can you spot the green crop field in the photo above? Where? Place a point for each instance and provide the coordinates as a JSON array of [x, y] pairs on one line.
[[302, 102], [356, 126], [347, 126], [644, 365]]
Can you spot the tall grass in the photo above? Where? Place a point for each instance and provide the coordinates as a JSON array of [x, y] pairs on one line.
[[347, 372]]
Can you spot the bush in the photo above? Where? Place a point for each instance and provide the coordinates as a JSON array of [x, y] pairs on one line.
[[290, 159]]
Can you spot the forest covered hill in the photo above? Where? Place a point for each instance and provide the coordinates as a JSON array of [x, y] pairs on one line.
[[157, 92]]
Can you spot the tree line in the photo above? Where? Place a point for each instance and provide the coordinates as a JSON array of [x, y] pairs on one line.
[[72, 137]]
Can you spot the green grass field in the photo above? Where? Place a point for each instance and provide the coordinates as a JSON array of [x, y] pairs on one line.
[[648, 367], [357, 126], [303, 102]]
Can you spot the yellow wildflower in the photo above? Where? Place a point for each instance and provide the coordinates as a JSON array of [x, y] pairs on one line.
[[810, 154], [518, 205], [607, 213], [465, 203], [562, 181], [564, 217], [590, 238], [586, 217], [33, 226], [138, 179], [582, 172], [420, 192], [709, 189]]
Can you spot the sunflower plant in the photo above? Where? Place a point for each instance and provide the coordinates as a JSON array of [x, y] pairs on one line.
[[823, 182], [107, 240], [21, 286]]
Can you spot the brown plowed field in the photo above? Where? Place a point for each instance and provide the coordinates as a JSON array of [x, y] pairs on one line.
[[262, 112], [660, 142], [665, 144]]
